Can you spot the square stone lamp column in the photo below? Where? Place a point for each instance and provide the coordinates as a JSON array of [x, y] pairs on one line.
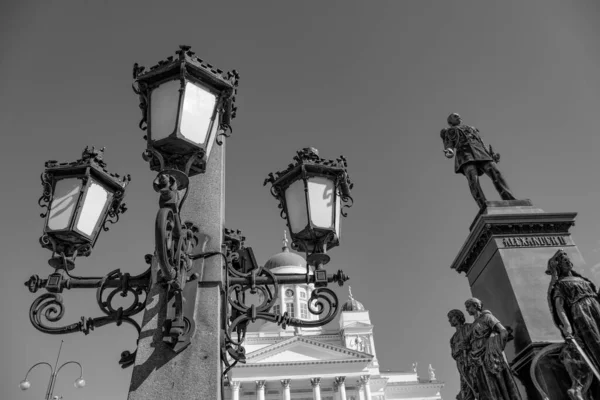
[[505, 257]]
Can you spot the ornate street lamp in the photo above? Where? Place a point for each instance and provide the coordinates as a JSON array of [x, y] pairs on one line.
[[312, 193], [79, 382], [79, 197], [186, 104]]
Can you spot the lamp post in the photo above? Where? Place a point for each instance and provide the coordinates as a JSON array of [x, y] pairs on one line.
[[79, 382], [203, 271]]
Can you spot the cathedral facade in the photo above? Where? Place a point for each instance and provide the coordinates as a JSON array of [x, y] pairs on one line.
[[338, 363]]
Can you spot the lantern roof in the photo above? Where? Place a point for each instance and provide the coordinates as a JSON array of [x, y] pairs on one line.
[[287, 259], [309, 158], [198, 68], [187, 64], [90, 158]]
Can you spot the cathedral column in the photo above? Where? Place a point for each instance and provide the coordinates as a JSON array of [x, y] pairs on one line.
[[340, 381], [361, 389], [235, 390], [260, 390], [297, 301], [316, 385], [282, 299], [364, 380], [336, 391], [285, 383]]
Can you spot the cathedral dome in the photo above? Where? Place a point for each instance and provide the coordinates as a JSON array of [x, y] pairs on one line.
[[352, 304], [286, 262]]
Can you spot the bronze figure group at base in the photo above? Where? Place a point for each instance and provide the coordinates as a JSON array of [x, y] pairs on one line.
[[478, 347]]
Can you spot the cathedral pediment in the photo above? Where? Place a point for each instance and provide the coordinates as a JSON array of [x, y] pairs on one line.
[[302, 357], [358, 325], [300, 349]]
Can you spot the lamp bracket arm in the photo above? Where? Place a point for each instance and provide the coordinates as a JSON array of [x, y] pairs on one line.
[[35, 365]]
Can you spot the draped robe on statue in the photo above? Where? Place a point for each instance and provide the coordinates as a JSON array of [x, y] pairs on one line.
[[583, 312], [489, 370], [459, 346]]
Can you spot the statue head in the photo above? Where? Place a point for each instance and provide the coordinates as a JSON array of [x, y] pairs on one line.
[[559, 264], [454, 119], [473, 306], [456, 317]]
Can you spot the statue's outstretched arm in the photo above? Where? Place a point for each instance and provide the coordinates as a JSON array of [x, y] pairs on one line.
[[449, 143]]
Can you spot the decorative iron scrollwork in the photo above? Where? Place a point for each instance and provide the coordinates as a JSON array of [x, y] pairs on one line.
[[49, 308], [44, 200], [175, 242], [115, 211], [243, 277], [71, 250]]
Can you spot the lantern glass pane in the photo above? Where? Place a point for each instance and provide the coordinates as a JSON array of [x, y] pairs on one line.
[[213, 135], [93, 205], [295, 200], [321, 198], [164, 103], [64, 201], [197, 111]]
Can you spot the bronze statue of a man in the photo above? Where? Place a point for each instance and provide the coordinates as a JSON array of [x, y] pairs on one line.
[[472, 159], [490, 372], [459, 346]]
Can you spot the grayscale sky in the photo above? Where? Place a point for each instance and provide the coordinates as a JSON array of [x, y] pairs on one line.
[[372, 80]]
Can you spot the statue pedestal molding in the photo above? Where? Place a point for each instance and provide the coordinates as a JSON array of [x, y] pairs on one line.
[[505, 257]]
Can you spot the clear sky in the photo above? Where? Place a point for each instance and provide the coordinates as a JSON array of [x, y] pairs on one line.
[[373, 81]]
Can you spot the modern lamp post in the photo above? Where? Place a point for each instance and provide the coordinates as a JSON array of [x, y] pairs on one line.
[[79, 382], [187, 105]]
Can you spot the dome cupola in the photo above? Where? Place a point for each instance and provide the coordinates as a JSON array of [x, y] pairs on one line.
[[352, 304], [286, 262]]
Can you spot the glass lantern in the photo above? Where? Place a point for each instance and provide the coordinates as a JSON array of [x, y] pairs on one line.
[[312, 193], [79, 198], [186, 104]]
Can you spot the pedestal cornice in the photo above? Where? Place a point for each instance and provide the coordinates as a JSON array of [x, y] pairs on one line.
[[488, 226]]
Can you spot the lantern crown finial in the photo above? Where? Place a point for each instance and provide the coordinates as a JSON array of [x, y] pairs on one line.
[[93, 154]]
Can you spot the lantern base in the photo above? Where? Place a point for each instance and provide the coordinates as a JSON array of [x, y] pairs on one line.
[[318, 259], [62, 263]]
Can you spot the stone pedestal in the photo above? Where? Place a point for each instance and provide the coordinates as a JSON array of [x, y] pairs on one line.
[[505, 258]]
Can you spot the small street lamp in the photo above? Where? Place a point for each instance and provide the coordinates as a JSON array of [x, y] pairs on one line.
[[79, 382]]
